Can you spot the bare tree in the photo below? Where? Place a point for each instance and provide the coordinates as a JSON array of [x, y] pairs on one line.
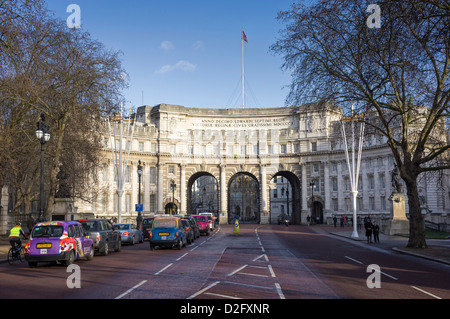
[[66, 75], [397, 74]]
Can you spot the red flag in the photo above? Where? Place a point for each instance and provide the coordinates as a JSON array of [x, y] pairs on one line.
[[244, 37]]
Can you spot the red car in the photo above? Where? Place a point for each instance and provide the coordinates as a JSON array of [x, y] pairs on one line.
[[203, 224]]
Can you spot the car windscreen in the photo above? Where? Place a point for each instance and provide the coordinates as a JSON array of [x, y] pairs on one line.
[[90, 225], [147, 222], [47, 231], [201, 219], [164, 223], [122, 226]]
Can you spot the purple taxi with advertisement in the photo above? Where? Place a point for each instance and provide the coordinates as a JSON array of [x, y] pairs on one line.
[[62, 241]]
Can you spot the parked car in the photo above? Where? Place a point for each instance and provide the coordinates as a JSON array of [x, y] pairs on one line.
[[147, 223], [167, 232], [129, 233], [104, 235], [58, 241], [194, 226], [210, 217], [203, 224], [189, 230]]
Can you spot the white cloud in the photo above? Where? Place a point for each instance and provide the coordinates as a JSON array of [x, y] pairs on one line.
[[182, 65], [166, 45]]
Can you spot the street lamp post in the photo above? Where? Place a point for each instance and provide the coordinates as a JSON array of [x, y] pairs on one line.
[[312, 184], [139, 172], [353, 156], [43, 135], [139, 217], [173, 187], [287, 202]]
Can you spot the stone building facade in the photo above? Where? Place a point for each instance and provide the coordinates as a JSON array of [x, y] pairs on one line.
[[299, 144]]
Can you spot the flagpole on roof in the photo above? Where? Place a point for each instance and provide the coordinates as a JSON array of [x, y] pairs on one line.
[[243, 83]]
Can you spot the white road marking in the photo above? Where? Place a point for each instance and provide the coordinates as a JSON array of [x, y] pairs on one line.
[[426, 292], [271, 271], [181, 257], [203, 290], [279, 291], [131, 289], [156, 274], [356, 261], [237, 270]]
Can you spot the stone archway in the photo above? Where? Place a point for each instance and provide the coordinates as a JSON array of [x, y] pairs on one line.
[[292, 198], [206, 197], [171, 208], [244, 198]]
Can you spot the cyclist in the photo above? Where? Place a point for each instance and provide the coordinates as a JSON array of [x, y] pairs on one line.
[[14, 235]]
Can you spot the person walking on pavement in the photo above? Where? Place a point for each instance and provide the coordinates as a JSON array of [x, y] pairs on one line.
[[376, 232], [14, 235], [369, 227], [335, 221]]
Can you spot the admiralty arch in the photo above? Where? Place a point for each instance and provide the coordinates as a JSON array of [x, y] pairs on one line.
[[287, 157]]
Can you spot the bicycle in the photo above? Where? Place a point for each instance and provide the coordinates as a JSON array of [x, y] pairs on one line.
[[16, 253]]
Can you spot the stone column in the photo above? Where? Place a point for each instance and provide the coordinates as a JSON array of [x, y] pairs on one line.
[[264, 211], [146, 188], [4, 227], [160, 190], [305, 210], [183, 203], [327, 194], [340, 183]]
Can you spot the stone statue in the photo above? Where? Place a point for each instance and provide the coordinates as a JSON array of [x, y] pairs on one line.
[[64, 189], [396, 184]]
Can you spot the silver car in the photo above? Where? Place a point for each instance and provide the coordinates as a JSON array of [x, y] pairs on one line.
[[130, 234]]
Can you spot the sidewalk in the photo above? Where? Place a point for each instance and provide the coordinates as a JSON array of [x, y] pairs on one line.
[[438, 250]]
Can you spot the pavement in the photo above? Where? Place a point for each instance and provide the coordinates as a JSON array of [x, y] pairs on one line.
[[438, 250]]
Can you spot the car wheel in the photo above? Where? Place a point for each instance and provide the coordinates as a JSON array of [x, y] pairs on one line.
[[71, 259], [105, 251], [152, 247], [118, 246], [32, 264], [91, 254], [180, 244]]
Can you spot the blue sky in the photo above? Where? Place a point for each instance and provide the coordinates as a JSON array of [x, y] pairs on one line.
[[189, 52]]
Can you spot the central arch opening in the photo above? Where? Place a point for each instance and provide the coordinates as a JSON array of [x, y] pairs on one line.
[[243, 198], [203, 194]]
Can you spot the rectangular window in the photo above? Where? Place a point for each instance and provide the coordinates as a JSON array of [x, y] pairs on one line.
[[372, 203], [152, 175], [371, 182], [382, 181], [335, 205], [316, 168], [335, 184], [383, 202], [128, 174], [152, 203], [314, 146]]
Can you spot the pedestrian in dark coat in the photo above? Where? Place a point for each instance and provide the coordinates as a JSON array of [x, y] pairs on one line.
[[369, 227], [376, 232]]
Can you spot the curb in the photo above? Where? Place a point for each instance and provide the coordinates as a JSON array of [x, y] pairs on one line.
[[399, 250]]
